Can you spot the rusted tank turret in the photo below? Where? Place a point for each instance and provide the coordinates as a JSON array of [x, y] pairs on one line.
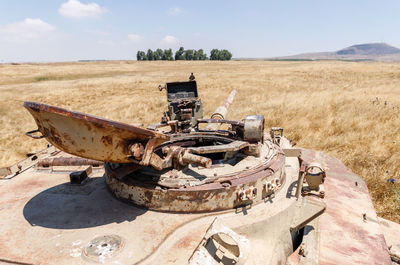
[[186, 190]]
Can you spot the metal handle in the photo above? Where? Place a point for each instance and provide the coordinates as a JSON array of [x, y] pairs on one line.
[[34, 136]]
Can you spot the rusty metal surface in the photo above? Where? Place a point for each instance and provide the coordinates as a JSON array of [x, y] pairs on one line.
[[223, 243], [253, 130], [259, 245], [182, 180], [195, 189], [179, 157], [266, 225], [346, 237], [214, 196], [391, 232], [231, 122], [28, 162], [70, 218], [39, 205], [68, 161], [186, 158], [45, 220], [231, 147], [88, 136], [194, 200]]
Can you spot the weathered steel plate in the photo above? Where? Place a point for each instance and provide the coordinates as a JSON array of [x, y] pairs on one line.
[[39, 205], [199, 189], [391, 232], [215, 196], [89, 136], [349, 231]]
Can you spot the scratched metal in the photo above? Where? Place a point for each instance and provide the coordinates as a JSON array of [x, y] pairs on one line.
[[218, 195], [345, 236], [391, 231], [88, 136], [37, 205]]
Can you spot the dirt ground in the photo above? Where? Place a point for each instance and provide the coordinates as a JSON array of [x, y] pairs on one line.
[[348, 109]]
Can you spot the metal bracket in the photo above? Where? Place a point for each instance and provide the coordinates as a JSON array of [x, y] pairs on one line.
[[276, 134], [30, 134], [26, 163]]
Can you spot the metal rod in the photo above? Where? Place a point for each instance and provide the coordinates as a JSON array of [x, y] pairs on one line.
[[300, 184], [222, 111], [68, 161]]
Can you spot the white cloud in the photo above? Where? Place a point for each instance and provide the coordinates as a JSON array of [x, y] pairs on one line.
[[30, 28], [135, 37], [76, 9], [174, 11], [169, 40]]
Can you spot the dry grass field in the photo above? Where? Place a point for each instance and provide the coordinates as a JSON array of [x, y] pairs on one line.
[[348, 109]]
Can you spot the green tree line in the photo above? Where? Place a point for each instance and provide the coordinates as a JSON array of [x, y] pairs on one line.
[[182, 54], [221, 55], [158, 54]]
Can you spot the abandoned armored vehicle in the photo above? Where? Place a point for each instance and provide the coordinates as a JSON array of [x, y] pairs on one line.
[[188, 190]]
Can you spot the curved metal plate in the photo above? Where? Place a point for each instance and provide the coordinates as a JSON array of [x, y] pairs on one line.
[[219, 195], [89, 136]]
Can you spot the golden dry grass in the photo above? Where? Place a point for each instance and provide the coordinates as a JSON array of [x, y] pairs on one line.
[[326, 106]]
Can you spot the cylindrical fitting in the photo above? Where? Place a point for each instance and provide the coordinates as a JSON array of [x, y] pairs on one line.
[[189, 158]]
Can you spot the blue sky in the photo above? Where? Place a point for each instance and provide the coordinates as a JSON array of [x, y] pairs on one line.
[[66, 30]]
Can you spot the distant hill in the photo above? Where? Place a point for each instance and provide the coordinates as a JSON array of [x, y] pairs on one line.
[[368, 51]]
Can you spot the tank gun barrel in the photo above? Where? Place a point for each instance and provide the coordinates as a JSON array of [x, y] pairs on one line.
[[222, 111]]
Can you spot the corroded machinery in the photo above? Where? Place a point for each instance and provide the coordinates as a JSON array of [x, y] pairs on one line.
[[174, 165], [188, 190]]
